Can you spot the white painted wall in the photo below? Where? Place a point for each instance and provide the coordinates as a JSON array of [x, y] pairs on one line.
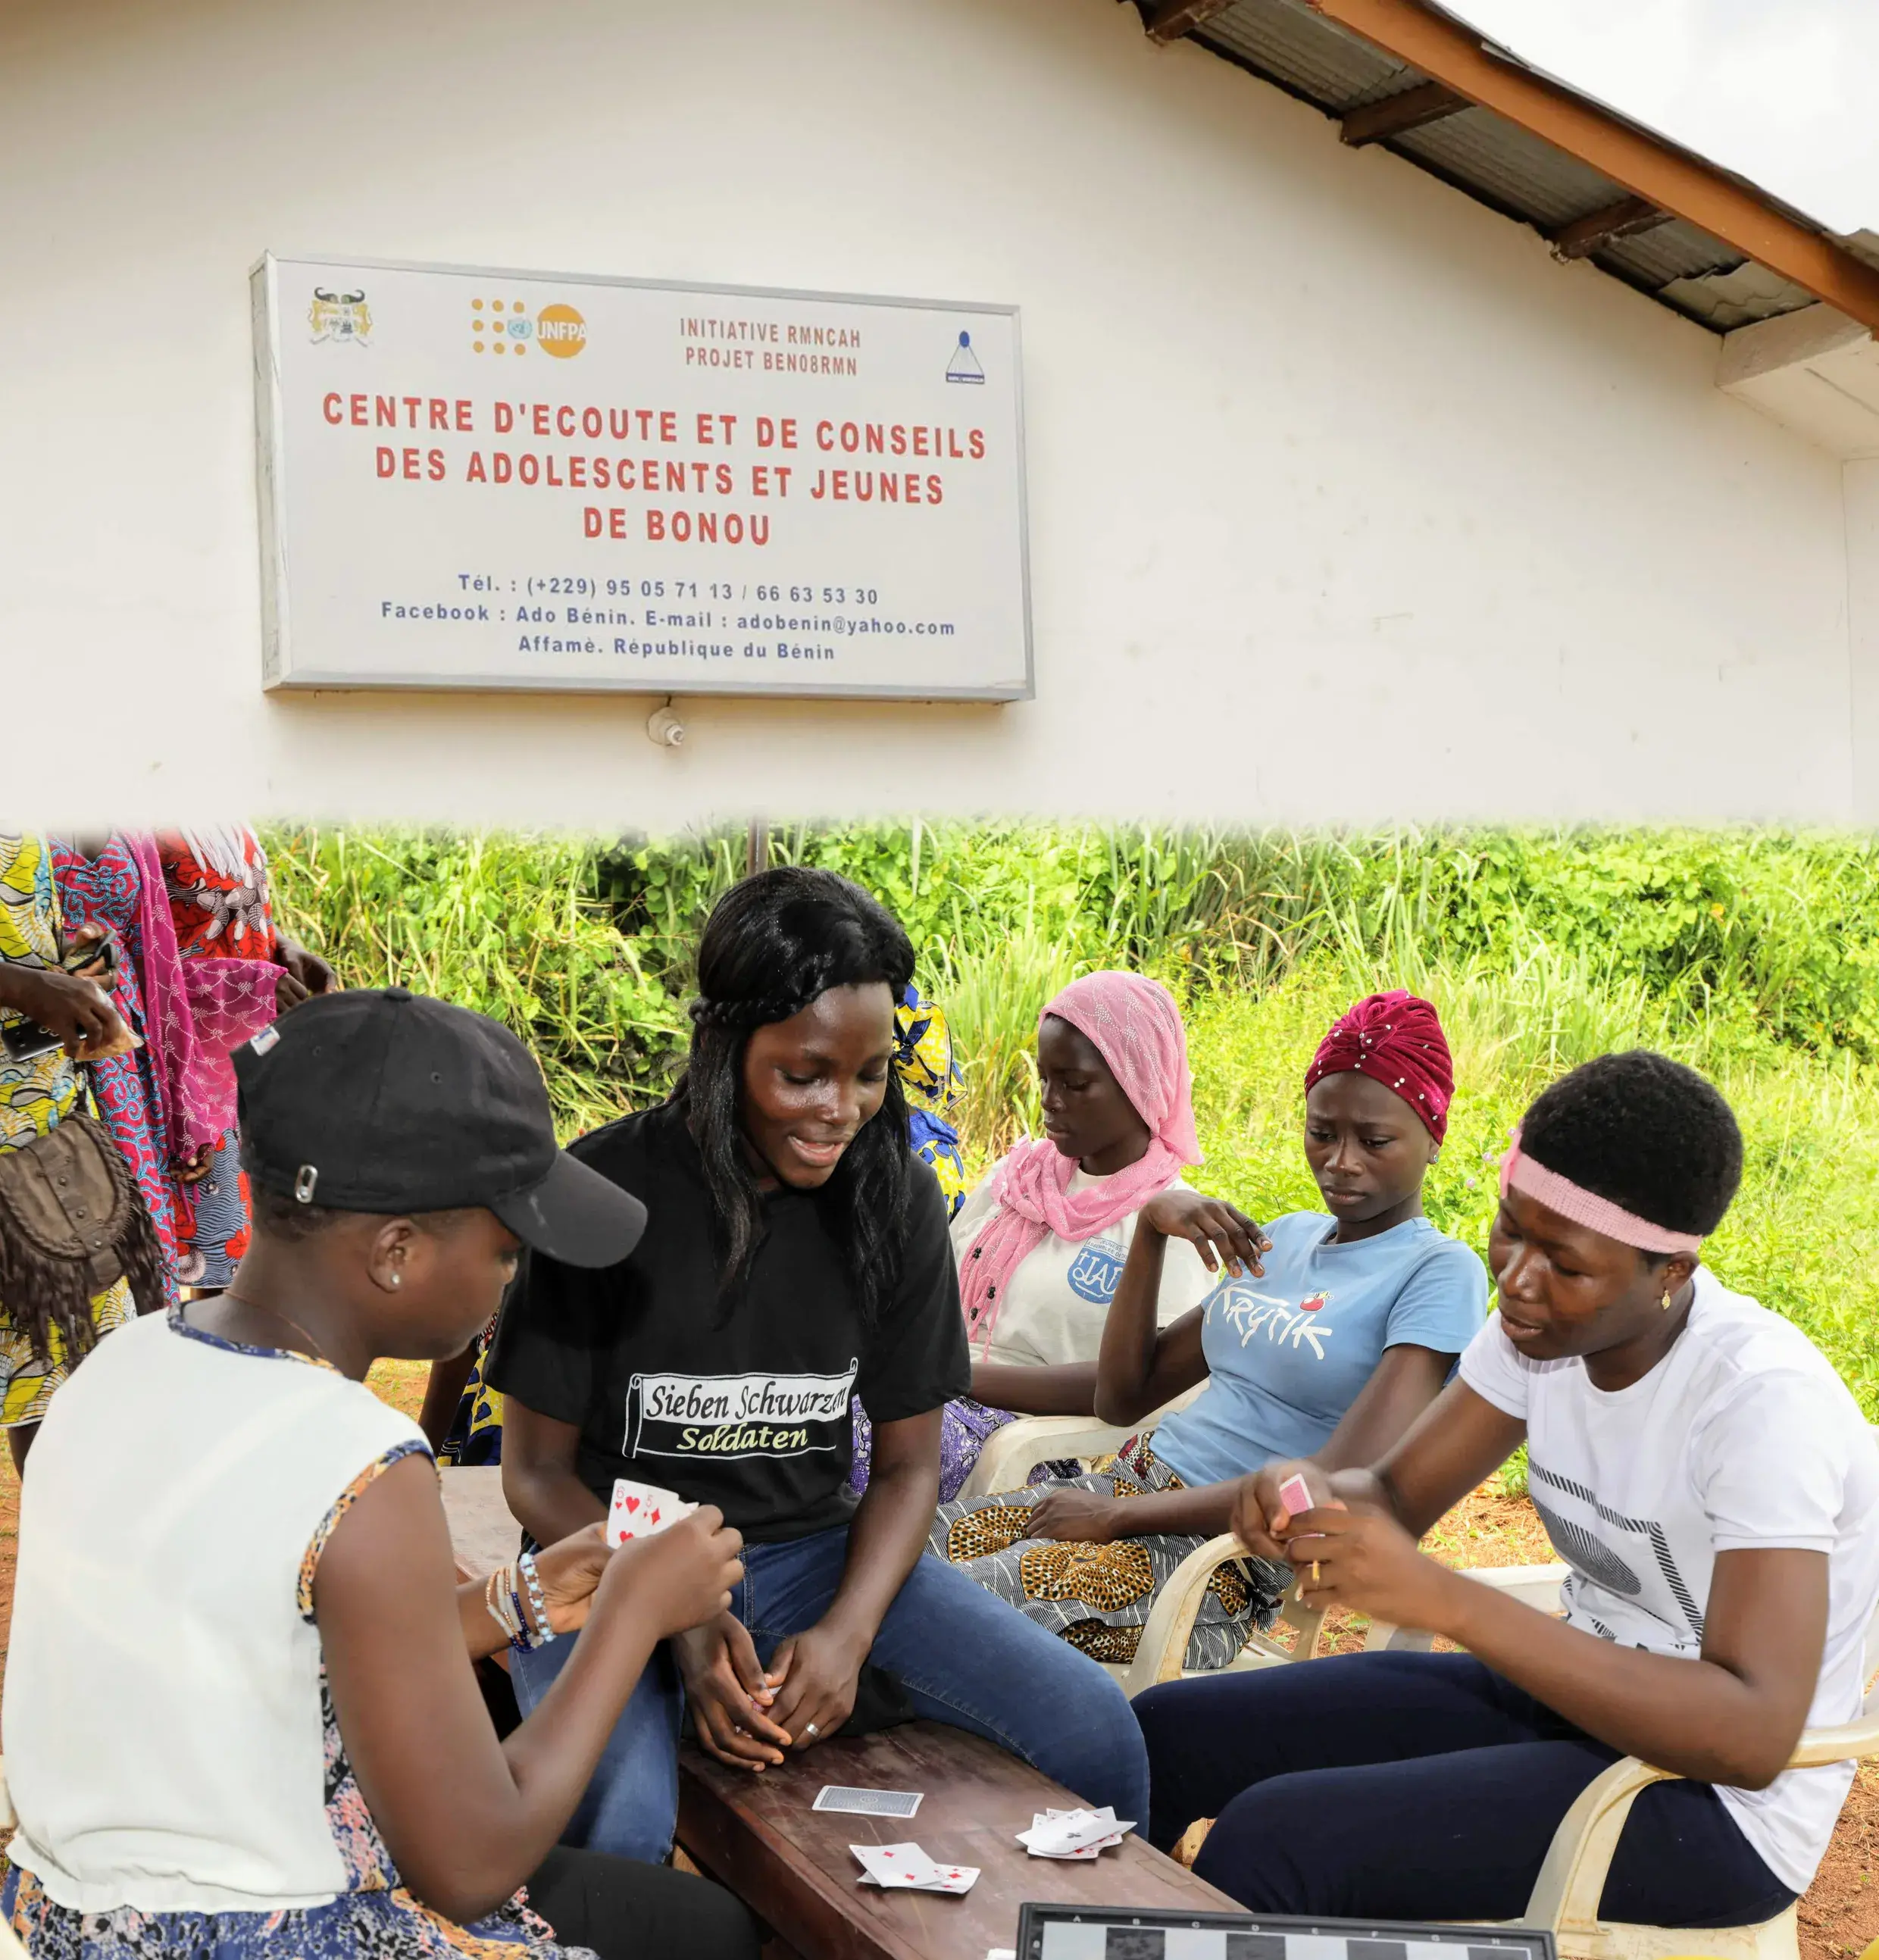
[[1862, 595], [1347, 503]]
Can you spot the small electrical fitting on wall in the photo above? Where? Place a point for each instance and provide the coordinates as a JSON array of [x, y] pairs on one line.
[[663, 726]]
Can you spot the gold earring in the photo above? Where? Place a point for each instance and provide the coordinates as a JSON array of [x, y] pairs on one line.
[[1665, 1302]]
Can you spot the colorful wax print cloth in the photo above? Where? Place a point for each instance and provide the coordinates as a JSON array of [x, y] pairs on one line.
[[35, 1096], [476, 1432], [931, 1080], [130, 1091], [217, 881], [1098, 1597]]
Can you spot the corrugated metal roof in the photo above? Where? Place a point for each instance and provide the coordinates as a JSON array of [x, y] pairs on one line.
[[1304, 52], [1505, 166], [1521, 175], [1677, 250]]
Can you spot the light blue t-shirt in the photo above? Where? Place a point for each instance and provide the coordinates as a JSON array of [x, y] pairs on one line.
[[1288, 1353]]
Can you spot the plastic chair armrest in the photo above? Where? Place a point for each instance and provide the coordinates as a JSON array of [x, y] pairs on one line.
[[1565, 1896], [1009, 1453], [1163, 1647]]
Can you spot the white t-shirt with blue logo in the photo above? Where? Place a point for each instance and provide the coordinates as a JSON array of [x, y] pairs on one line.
[[1056, 1302], [1287, 1354]]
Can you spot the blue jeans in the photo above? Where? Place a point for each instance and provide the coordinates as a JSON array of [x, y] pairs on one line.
[[964, 1657]]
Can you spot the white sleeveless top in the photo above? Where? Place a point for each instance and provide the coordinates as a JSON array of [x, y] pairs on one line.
[[164, 1746]]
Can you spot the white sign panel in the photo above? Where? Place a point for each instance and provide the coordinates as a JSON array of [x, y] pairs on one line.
[[493, 479]]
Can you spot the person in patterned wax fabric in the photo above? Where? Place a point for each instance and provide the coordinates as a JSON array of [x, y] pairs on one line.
[[42, 1082], [216, 876], [261, 1738], [1332, 1332], [462, 1413], [797, 1258], [170, 1102]]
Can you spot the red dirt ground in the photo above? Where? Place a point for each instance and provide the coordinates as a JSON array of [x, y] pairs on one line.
[[1839, 1916]]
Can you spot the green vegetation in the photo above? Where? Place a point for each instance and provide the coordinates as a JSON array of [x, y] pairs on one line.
[[1751, 956]]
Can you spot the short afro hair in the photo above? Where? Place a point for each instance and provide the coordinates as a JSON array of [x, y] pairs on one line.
[[1644, 1132]]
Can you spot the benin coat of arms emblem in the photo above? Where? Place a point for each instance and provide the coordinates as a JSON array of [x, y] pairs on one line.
[[340, 317]]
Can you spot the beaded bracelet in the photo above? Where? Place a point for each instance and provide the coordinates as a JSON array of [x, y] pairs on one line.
[[498, 1597], [544, 1628]]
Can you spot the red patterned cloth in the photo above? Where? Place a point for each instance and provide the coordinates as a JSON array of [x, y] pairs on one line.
[[1397, 1040]]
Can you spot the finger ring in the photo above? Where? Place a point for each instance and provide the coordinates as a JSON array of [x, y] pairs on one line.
[[809, 1728]]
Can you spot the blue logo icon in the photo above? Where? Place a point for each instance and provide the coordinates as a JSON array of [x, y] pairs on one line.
[[1096, 1271], [964, 366]]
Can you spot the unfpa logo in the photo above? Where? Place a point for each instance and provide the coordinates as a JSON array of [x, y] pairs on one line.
[[502, 326]]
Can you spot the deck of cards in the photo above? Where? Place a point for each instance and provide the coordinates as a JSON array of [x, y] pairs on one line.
[[643, 1510], [1073, 1834], [906, 1867], [1295, 1494]]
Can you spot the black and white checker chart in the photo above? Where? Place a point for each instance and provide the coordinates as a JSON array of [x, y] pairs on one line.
[[1064, 1933]]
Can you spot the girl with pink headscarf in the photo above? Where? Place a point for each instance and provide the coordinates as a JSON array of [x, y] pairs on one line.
[[1329, 1334], [1041, 1241]]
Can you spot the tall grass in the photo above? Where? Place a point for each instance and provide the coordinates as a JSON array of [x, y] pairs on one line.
[[1754, 956]]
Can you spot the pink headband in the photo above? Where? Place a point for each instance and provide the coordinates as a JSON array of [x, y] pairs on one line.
[[1586, 1208]]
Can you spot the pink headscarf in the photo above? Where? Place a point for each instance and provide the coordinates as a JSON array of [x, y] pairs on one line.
[[1136, 1028], [195, 1011]]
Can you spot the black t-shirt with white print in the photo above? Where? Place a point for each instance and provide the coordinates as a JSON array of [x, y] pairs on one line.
[[742, 1402]]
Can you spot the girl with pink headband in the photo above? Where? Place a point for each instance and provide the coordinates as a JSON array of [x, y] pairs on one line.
[[1711, 1485], [1333, 1332]]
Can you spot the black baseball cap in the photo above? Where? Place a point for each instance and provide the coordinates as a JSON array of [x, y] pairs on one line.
[[382, 1100]]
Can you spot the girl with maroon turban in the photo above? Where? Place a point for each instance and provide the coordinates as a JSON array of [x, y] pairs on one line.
[[1330, 1334]]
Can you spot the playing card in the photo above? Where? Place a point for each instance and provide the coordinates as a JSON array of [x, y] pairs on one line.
[[1295, 1494], [906, 1867], [866, 1802], [892, 1865], [641, 1510], [1073, 1834]]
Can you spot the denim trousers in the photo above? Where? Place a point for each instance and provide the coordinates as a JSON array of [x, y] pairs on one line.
[[964, 1657]]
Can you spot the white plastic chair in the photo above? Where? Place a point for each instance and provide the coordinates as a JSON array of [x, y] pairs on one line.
[[1565, 1898], [1160, 1655], [1010, 1452]]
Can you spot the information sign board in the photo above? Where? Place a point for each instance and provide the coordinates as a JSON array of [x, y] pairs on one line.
[[492, 479]]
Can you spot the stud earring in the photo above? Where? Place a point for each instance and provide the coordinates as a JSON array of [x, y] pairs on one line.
[[398, 1279]]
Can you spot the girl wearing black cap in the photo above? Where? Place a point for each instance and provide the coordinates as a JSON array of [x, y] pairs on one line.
[[240, 1715], [798, 1255], [1711, 1484]]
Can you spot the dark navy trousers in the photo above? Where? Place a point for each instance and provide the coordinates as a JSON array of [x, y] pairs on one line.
[[1419, 1786]]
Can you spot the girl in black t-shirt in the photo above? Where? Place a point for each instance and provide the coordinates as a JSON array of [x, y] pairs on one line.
[[796, 1256]]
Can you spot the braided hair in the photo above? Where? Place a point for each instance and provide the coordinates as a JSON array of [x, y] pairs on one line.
[[775, 942]]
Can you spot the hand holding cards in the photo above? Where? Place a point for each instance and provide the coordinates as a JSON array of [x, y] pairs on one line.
[[642, 1510], [906, 1867]]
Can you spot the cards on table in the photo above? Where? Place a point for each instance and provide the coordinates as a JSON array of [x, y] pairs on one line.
[[1073, 1834], [1295, 1494], [906, 1867], [643, 1510], [866, 1802]]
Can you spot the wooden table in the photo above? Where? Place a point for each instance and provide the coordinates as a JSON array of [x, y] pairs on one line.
[[791, 1865]]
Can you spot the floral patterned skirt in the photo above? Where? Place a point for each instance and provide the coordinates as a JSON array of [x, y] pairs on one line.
[[1098, 1597], [387, 1925]]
